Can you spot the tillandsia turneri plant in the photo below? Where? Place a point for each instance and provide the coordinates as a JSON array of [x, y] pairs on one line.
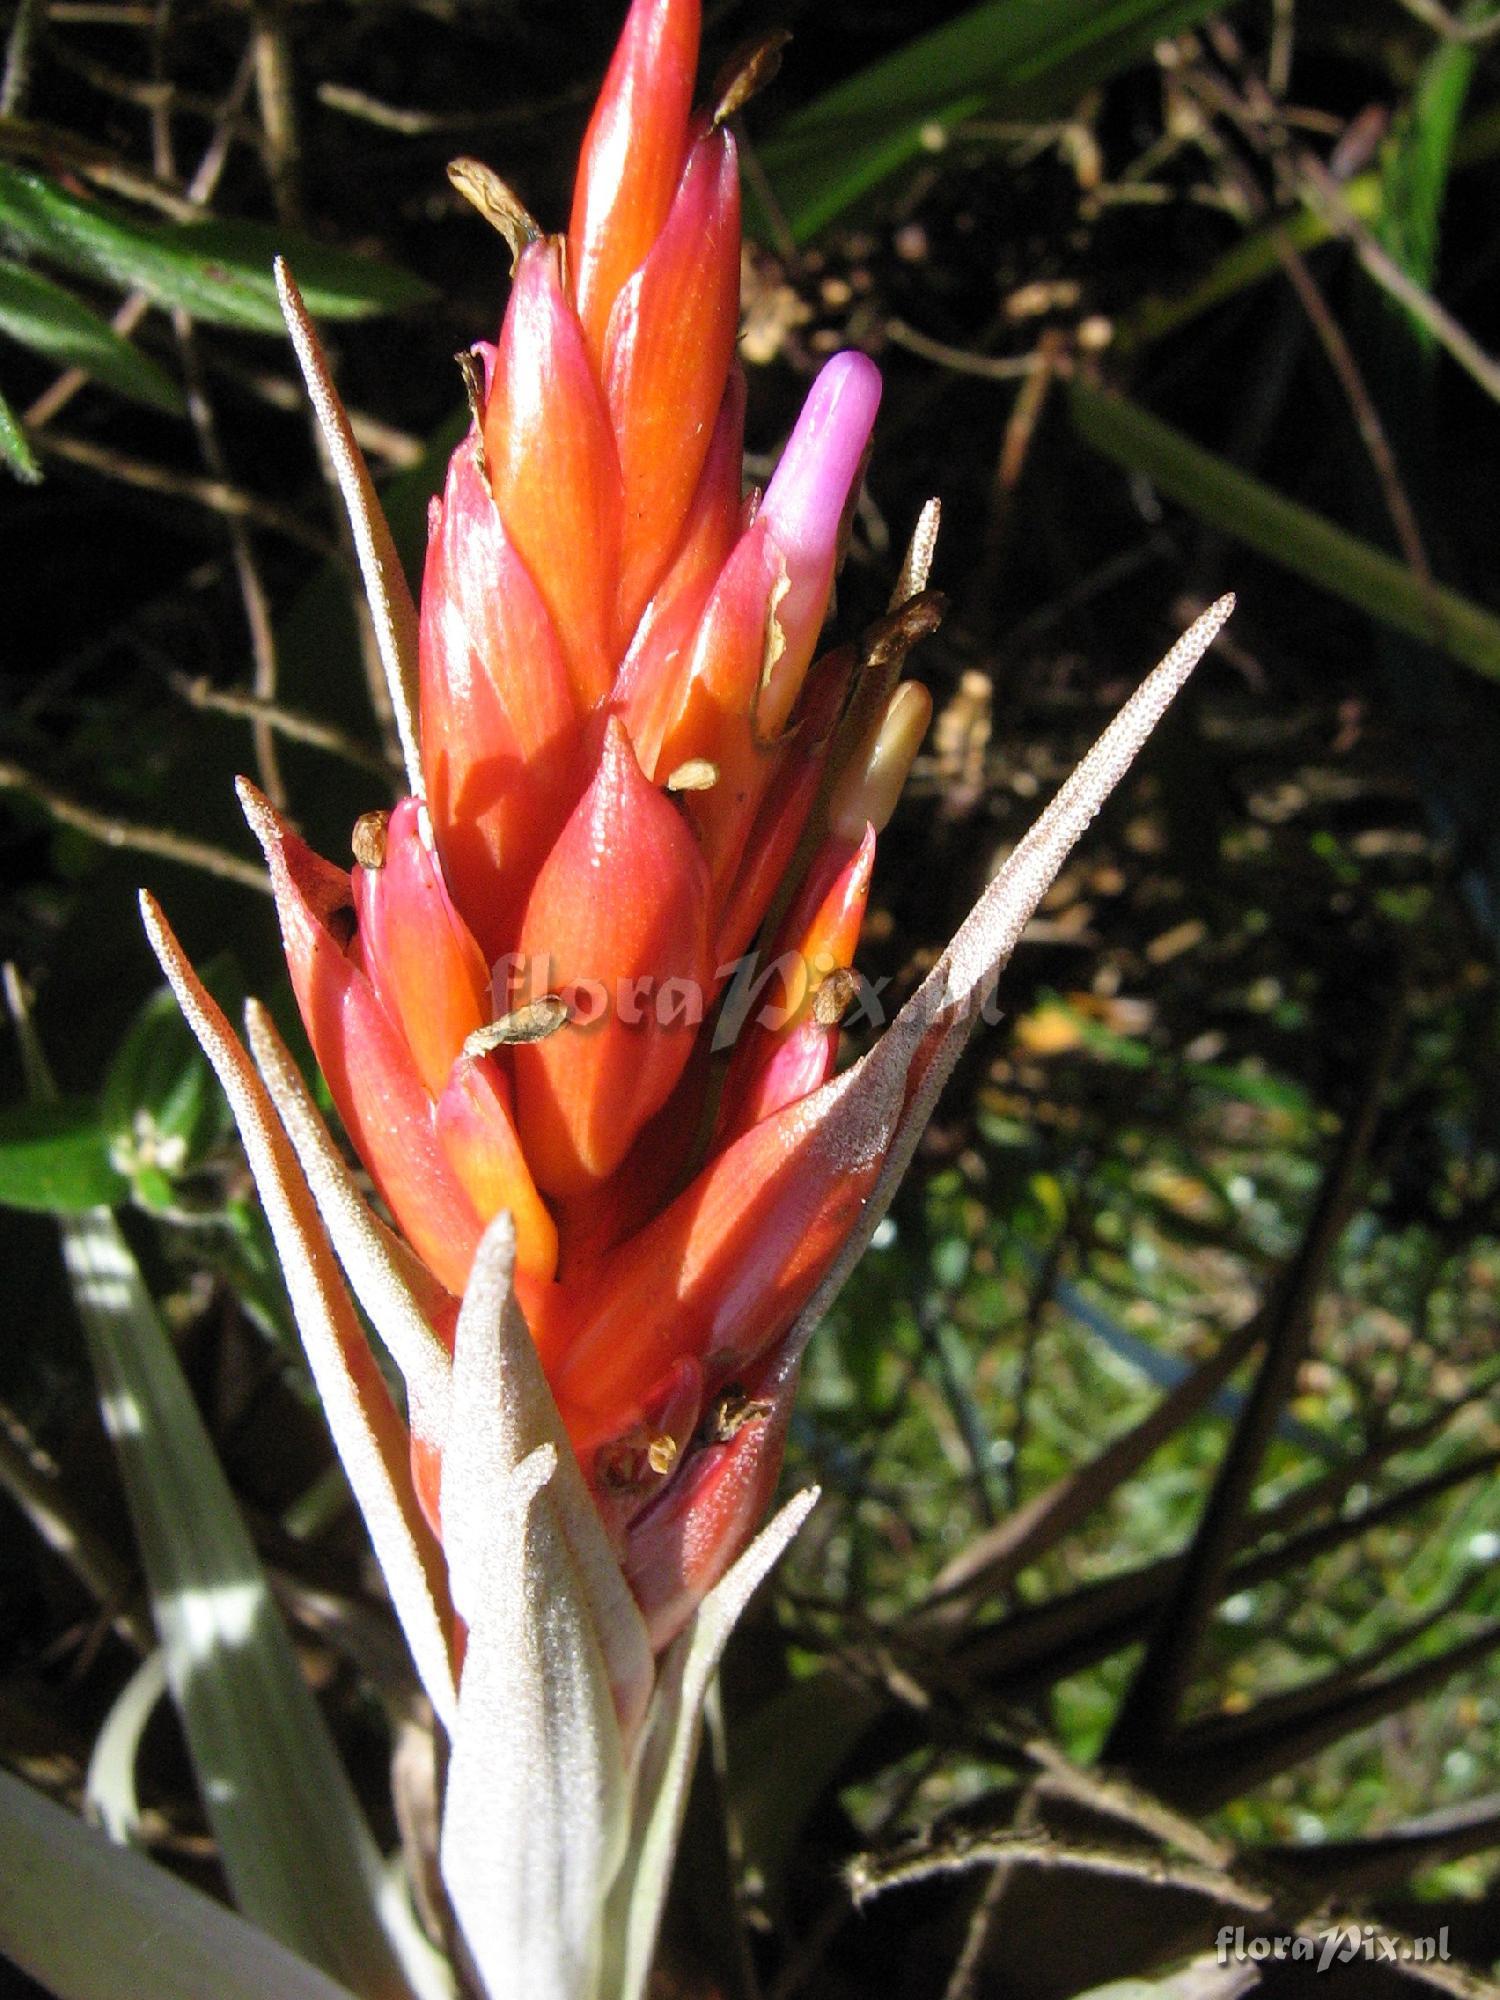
[[578, 1004]]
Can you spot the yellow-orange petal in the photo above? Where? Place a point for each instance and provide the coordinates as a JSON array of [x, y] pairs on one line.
[[501, 726], [783, 815], [786, 1050], [620, 915], [554, 468], [369, 1070], [476, 1129], [426, 969], [668, 352], [632, 156]]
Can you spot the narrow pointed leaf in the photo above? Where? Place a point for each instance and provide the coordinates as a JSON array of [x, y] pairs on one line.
[[90, 1921], [109, 1790], [665, 1763], [370, 1436], [48, 319], [535, 1810], [391, 605], [399, 1294], [525, 1418], [1307, 543], [259, 1746], [15, 446], [217, 271], [899, 1082]]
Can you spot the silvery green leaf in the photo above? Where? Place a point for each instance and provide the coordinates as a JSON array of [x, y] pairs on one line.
[[91, 1921], [871, 1104], [389, 594], [664, 1761], [294, 1844], [525, 1416], [369, 1433], [535, 1814], [395, 1290]]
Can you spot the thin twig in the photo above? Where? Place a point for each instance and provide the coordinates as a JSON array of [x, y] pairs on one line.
[[1310, 182], [130, 834], [276, 96], [18, 46], [988, 367], [205, 424], [136, 304], [1331, 337], [869, 1876], [288, 722], [58, 148], [1367, 418], [399, 448], [215, 494], [1442, 22], [36, 1491]]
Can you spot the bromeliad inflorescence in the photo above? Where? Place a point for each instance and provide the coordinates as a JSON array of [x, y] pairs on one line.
[[629, 769]]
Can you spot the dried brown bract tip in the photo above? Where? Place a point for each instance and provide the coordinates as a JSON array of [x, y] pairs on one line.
[[500, 205], [368, 839], [747, 73], [532, 1023]]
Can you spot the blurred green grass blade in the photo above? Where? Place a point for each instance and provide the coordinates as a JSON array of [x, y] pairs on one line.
[[1020, 58], [1255, 257], [159, 1101], [15, 447], [294, 1845], [1418, 160], [1305, 542], [1246, 263], [94, 1922], [49, 320], [217, 271], [55, 1158]]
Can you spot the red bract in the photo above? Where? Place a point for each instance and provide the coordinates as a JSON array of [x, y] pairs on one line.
[[627, 764], [621, 753]]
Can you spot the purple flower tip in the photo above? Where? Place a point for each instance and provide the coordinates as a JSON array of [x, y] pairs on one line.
[[805, 499]]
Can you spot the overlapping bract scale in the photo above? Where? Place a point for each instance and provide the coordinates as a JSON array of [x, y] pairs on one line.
[[623, 745]]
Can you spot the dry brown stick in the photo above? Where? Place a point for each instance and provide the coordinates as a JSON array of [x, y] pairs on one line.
[[205, 424], [60, 148], [288, 722], [131, 834], [276, 95], [871, 1876], [399, 448], [988, 367], [1442, 21], [1366, 417], [38, 1495], [18, 46], [135, 306], [1314, 187], [1330, 335], [218, 495]]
